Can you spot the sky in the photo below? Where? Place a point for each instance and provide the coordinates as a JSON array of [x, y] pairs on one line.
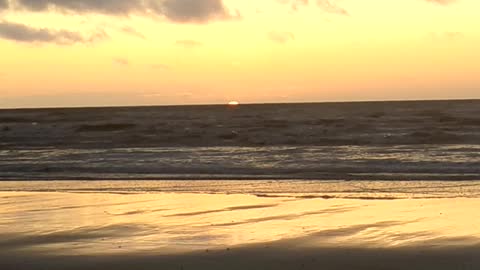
[[62, 53]]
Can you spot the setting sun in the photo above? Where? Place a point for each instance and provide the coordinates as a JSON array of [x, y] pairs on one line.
[[233, 103]]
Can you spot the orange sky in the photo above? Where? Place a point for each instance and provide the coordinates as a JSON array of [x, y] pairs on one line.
[[138, 52]]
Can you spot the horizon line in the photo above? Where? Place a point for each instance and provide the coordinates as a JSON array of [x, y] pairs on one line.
[[240, 104]]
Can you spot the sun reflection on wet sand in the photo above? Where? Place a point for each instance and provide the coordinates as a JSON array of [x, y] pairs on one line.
[[165, 223]]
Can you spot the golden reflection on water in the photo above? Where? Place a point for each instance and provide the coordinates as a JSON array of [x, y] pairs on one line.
[[98, 223]]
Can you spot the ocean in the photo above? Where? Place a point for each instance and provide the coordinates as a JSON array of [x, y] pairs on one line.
[[411, 140]]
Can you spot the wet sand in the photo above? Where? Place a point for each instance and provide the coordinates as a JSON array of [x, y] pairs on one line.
[[63, 230]]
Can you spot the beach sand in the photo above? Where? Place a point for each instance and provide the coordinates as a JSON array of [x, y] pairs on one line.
[[63, 230]]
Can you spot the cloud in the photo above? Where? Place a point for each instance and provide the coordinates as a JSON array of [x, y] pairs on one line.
[[198, 11], [160, 66], [326, 5], [281, 37], [178, 11], [448, 36], [24, 33], [121, 61], [181, 11], [189, 44], [294, 4], [3, 4], [133, 32], [453, 35], [441, 2], [113, 7]]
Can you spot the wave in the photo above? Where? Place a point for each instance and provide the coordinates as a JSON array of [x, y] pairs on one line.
[[409, 162]]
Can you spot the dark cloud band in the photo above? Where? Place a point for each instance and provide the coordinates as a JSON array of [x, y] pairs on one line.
[[96, 6], [23, 33], [180, 11], [193, 10], [3, 4], [175, 10]]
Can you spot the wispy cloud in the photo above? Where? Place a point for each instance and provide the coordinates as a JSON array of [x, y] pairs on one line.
[[448, 36], [281, 37], [328, 6], [24, 33], [189, 44], [442, 2], [132, 32], [121, 61], [160, 66], [453, 35]]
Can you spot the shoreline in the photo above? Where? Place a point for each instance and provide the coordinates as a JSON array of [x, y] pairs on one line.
[[252, 178], [301, 189]]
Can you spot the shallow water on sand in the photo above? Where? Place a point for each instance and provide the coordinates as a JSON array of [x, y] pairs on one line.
[[98, 222], [105, 223], [238, 224], [309, 189]]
